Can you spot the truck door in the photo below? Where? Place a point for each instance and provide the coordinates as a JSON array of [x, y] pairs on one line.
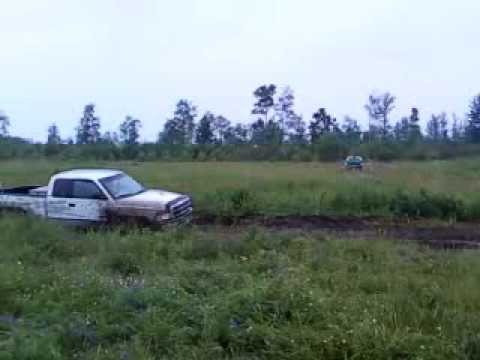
[[76, 201]]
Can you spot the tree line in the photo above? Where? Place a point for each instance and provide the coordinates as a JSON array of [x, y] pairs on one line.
[[275, 123]]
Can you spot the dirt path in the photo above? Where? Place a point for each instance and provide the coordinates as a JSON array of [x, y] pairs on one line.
[[437, 235]]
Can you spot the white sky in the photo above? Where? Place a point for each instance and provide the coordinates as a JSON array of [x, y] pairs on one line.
[[139, 57]]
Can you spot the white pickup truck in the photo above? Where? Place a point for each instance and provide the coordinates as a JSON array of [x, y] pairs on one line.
[[96, 196]]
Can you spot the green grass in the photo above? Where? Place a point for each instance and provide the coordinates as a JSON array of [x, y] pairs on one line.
[[191, 294], [225, 188]]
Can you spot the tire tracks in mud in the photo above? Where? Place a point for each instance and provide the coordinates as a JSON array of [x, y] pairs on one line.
[[438, 235]]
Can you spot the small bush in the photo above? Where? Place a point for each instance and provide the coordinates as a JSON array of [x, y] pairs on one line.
[[330, 148], [203, 249], [123, 263], [381, 151], [238, 202], [341, 202], [371, 201], [472, 210], [78, 335], [471, 346], [426, 205], [362, 201], [21, 233]]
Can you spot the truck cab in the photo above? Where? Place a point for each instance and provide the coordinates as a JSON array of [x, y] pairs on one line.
[[78, 196]]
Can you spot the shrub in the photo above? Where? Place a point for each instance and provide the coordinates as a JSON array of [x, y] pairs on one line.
[[330, 148], [472, 210], [124, 263], [381, 151], [238, 202], [365, 201], [203, 249], [22, 234], [427, 205]]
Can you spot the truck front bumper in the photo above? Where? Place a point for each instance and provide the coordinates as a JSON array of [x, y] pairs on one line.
[[170, 219]]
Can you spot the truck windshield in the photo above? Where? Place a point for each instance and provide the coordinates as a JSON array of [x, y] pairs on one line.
[[121, 186]]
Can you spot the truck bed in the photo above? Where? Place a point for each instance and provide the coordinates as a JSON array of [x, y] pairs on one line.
[[28, 199], [30, 190]]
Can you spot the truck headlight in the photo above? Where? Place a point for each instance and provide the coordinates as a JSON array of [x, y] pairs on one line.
[[164, 216]]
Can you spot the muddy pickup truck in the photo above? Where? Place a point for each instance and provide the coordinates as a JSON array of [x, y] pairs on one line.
[[96, 196]]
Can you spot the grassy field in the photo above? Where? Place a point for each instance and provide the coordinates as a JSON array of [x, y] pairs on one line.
[[210, 292], [192, 294], [452, 187]]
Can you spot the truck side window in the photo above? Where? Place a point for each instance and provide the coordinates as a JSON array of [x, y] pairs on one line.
[[62, 188], [86, 189]]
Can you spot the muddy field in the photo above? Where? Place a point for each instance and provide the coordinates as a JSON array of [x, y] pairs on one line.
[[438, 235]]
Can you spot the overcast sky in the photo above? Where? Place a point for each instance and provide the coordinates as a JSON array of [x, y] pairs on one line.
[[139, 57]]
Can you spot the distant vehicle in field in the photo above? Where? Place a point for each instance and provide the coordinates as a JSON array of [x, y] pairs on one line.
[[354, 162], [97, 196]]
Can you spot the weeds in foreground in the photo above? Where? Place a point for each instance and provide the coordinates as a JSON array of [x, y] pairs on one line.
[[191, 294]]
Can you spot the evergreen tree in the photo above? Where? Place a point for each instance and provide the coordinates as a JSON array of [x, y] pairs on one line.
[[401, 130], [434, 128], [264, 96], [179, 129], [220, 126], [204, 132], [457, 129], [379, 108], [4, 124], [265, 130], [130, 131], [290, 123], [88, 131], [110, 138], [273, 133], [314, 129], [257, 132], [397, 131], [53, 137], [414, 131], [322, 124], [235, 135], [351, 129], [473, 129], [298, 131], [443, 127], [265, 133]]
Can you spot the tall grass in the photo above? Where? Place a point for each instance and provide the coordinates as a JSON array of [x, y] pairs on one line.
[[203, 295], [444, 189]]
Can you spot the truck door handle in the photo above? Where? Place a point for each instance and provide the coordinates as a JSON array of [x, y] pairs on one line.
[[72, 205]]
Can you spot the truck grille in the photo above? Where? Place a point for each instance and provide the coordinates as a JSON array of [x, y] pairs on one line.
[[181, 207]]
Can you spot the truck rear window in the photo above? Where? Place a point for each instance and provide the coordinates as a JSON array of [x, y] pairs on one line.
[[62, 188]]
